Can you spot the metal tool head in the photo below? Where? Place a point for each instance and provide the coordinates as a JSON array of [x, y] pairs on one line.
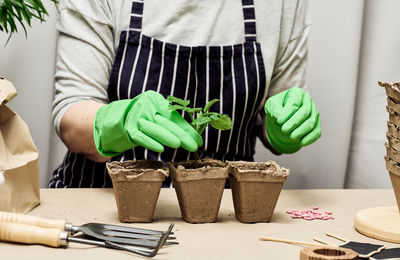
[[108, 244], [107, 227], [123, 235], [147, 253]]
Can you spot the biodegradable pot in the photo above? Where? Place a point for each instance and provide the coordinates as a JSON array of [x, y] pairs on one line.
[[394, 171], [199, 186], [392, 90], [255, 189], [393, 105], [394, 118], [392, 154], [137, 185], [393, 142], [393, 130]]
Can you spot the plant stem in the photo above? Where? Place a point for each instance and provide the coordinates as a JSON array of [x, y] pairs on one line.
[[196, 157], [202, 128], [191, 117]]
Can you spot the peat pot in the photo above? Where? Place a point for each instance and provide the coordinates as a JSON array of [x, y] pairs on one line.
[[255, 189], [199, 186], [137, 185], [394, 171]]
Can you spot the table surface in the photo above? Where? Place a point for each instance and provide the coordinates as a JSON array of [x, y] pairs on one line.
[[226, 239]]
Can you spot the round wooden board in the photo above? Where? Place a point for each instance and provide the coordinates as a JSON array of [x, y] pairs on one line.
[[381, 223]]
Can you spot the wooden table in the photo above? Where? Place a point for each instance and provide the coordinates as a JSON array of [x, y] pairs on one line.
[[226, 239]]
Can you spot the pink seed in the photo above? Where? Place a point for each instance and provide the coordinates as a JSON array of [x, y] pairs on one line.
[[309, 214]]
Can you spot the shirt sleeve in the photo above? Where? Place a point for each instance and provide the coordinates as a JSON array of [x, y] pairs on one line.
[[85, 52], [291, 63]]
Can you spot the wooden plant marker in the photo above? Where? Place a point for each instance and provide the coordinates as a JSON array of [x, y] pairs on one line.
[[365, 250], [389, 253], [316, 251]]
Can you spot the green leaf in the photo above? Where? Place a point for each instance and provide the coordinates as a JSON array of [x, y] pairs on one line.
[[13, 12], [11, 22], [179, 107], [222, 123], [3, 18], [201, 121], [193, 110], [20, 20], [25, 12], [178, 101], [209, 104], [175, 107]]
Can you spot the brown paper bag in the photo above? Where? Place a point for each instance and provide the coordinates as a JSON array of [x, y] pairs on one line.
[[19, 158]]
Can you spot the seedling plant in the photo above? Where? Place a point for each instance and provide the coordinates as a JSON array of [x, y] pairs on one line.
[[201, 117]]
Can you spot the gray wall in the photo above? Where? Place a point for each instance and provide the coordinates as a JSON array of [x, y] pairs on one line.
[[353, 45]]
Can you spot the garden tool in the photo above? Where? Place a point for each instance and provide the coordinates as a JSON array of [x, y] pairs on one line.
[[365, 250], [54, 237], [111, 233]]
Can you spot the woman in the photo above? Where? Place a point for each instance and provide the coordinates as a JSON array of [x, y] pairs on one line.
[[118, 61]]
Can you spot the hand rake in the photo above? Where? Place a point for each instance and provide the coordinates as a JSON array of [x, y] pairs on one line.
[[111, 233], [31, 234]]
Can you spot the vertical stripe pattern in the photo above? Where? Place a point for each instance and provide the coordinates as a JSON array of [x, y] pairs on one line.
[[234, 74]]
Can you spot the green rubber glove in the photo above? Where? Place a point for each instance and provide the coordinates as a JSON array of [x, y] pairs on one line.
[[143, 121], [292, 120]]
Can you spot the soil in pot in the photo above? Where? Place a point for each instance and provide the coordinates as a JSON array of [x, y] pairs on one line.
[[255, 189], [137, 185], [199, 186]]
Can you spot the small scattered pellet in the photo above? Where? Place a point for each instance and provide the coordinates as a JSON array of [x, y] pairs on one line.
[[310, 214]]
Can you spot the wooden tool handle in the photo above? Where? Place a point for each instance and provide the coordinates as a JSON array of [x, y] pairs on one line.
[[27, 234], [32, 220]]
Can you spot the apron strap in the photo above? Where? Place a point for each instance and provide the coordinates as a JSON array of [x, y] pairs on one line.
[[248, 13], [136, 16], [249, 20]]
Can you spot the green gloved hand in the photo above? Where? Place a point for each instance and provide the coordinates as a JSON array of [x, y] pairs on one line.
[[292, 120], [142, 121]]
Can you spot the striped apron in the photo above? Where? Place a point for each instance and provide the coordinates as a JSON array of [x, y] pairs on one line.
[[234, 74]]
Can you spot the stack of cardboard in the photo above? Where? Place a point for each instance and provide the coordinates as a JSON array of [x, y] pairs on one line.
[[392, 156]]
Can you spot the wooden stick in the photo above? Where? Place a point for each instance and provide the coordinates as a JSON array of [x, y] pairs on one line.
[[287, 241], [338, 238], [324, 242]]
